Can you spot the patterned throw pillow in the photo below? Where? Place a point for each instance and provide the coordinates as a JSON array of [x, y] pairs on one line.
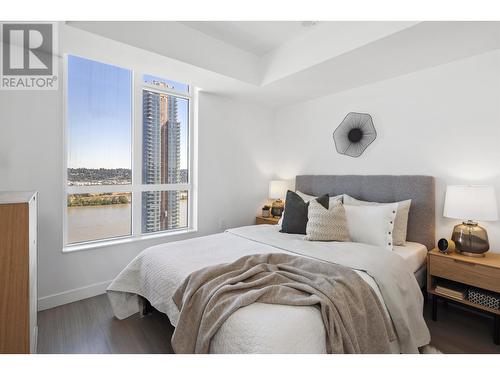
[[327, 224]]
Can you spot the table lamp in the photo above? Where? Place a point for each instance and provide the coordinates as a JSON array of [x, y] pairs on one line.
[[277, 192], [470, 203]]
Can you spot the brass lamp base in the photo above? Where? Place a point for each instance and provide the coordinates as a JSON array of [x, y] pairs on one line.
[[470, 239], [277, 208]]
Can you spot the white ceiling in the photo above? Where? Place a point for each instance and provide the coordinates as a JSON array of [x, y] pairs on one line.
[[256, 37], [279, 63]]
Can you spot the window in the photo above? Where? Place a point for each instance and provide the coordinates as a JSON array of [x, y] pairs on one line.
[[165, 156], [127, 175], [99, 116]]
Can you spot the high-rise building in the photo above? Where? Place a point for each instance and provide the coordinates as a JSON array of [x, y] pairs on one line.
[[170, 161], [161, 161], [151, 161]]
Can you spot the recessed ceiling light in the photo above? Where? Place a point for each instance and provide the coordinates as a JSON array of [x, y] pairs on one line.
[[309, 23]]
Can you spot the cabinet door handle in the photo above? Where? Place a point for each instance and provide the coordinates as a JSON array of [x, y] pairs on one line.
[[462, 262]]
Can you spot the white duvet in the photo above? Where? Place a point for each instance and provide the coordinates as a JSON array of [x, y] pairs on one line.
[[157, 272]]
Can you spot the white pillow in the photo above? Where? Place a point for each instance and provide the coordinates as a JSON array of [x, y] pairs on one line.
[[400, 222], [307, 198], [372, 225]]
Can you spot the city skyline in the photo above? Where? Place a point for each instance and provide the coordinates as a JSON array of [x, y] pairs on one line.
[[100, 115]]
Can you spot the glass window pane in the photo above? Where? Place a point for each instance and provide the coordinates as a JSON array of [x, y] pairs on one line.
[[99, 110], [164, 210], [165, 83], [98, 216], [165, 139]]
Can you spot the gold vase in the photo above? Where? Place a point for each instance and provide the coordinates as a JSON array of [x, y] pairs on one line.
[[470, 239], [277, 208]]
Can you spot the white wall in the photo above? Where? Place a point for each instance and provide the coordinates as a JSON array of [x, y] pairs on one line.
[[443, 121], [233, 163]]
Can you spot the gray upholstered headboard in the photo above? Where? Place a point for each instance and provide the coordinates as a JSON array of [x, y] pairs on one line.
[[384, 188]]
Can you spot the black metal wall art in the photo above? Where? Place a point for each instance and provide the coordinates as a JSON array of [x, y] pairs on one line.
[[354, 134]]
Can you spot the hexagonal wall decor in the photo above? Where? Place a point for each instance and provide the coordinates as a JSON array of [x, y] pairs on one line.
[[354, 134]]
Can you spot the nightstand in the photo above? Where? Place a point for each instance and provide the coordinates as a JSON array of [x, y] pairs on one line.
[[266, 220], [482, 273]]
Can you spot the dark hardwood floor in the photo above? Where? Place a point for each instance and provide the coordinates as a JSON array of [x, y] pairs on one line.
[[88, 326], [460, 330]]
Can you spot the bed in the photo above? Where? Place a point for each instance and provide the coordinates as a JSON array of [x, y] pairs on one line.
[[157, 272]]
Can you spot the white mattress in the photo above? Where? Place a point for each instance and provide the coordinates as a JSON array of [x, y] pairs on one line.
[[414, 254]]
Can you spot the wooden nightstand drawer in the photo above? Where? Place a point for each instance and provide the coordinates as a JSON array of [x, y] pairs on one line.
[[466, 272]]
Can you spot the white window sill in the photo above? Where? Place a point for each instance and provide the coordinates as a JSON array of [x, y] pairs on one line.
[[121, 241]]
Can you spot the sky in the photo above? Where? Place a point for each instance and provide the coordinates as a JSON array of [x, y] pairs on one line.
[[172, 84], [100, 115]]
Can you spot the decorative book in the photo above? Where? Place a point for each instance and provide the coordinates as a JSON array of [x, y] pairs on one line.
[[451, 289]]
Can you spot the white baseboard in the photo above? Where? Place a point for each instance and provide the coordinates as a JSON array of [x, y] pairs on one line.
[[72, 295]]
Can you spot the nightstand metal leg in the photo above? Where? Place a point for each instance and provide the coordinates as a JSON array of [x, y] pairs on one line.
[[496, 330], [434, 307]]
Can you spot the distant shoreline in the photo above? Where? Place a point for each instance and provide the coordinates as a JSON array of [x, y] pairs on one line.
[[182, 198], [100, 205]]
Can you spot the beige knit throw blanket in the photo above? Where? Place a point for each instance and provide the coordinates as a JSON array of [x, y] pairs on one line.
[[353, 316]]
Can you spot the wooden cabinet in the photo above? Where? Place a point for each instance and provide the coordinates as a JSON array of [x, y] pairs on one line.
[[266, 220], [18, 272]]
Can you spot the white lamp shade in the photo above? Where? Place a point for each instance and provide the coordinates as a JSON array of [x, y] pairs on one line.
[[471, 202], [277, 189]]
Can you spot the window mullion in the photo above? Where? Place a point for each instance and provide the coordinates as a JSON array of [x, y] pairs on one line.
[[137, 156], [193, 161]]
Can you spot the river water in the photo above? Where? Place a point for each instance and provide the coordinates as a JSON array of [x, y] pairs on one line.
[[99, 222]]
